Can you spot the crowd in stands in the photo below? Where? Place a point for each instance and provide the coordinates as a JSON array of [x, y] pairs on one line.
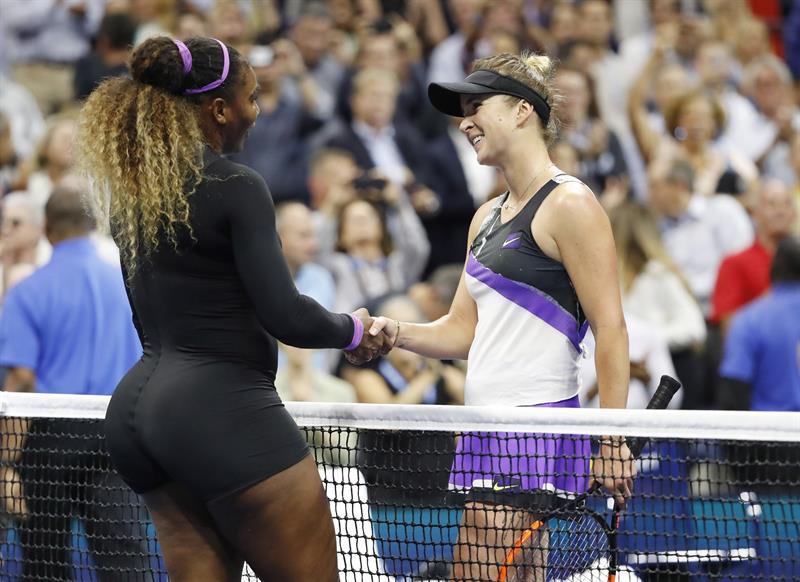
[[682, 116]]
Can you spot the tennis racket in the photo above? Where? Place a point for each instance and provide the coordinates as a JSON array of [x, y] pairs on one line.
[[582, 544]]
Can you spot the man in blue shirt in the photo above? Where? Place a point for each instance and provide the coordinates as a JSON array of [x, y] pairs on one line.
[[67, 328], [761, 363], [761, 369]]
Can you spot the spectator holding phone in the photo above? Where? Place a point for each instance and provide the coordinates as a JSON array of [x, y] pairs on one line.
[[379, 244]]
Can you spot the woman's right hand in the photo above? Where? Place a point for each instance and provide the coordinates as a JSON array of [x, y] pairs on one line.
[[389, 327], [373, 342]]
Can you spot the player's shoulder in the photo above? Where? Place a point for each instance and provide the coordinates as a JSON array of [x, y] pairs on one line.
[[232, 184], [571, 200], [571, 188], [220, 168]]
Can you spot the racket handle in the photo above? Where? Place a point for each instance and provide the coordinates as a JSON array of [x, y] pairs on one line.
[[667, 388]]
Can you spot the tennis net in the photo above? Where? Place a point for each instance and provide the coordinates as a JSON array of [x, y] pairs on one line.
[[441, 493]]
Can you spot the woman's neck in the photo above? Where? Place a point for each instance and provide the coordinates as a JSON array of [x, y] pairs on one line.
[[369, 251], [523, 169]]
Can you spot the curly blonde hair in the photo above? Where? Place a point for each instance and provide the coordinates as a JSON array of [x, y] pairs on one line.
[[141, 146], [142, 168]]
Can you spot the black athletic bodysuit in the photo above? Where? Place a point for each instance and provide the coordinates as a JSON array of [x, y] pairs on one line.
[[200, 407]]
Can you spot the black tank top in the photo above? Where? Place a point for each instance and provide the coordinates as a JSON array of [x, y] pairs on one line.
[[528, 264]]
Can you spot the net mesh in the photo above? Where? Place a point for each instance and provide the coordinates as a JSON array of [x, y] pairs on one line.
[[440, 493]]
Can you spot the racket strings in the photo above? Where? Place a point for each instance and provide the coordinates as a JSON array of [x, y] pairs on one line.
[[573, 548]]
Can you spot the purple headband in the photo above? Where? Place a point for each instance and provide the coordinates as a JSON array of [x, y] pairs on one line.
[[214, 84], [186, 56]]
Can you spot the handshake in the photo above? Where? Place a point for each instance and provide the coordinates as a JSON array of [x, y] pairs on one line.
[[380, 336]]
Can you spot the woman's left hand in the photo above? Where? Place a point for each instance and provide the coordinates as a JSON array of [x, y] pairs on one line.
[[614, 467]]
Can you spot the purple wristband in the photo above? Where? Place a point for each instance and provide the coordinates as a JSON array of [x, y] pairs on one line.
[[358, 333]]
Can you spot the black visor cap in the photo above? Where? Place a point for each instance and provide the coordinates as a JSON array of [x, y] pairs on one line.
[[446, 97]]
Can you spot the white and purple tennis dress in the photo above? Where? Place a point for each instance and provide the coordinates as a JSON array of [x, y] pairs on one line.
[[525, 353]]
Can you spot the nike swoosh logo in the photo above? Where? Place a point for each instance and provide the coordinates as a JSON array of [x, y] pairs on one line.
[[503, 487], [508, 242]]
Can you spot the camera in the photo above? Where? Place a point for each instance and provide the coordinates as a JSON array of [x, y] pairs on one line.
[[367, 182]]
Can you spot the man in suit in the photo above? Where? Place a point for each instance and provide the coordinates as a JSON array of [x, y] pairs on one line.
[[394, 150]]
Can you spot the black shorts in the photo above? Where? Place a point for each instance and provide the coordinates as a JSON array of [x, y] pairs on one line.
[[214, 427]]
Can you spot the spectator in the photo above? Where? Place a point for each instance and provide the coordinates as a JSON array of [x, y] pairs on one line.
[[599, 148], [450, 59], [693, 123], [227, 21], [22, 249], [155, 17], [726, 17], [110, 55], [25, 119], [427, 19], [435, 295], [795, 163], [653, 289], [635, 49], [55, 159], [744, 276], [760, 368], [276, 147], [698, 231], [657, 88], [743, 132], [751, 42], [67, 329], [563, 25], [297, 231], [768, 83], [46, 38], [380, 247], [380, 48], [332, 173], [299, 241], [596, 29], [650, 359], [656, 296], [311, 33], [9, 162], [189, 25], [395, 150], [566, 157]]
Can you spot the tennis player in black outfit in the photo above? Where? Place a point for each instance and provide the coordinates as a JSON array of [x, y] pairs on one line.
[[196, 426]]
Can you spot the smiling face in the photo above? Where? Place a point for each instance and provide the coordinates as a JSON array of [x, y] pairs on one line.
[[488, 123]]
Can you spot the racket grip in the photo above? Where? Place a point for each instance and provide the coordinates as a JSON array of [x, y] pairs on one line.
[[667, 388]]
